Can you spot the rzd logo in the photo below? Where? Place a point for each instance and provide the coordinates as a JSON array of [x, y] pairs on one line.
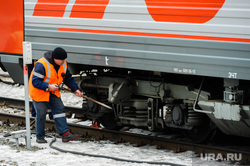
[[182, 11]]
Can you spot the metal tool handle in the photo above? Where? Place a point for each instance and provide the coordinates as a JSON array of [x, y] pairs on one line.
[[102, 104], [88, 98]]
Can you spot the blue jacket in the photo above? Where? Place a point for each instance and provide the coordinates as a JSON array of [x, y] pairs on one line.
[[39, 68]]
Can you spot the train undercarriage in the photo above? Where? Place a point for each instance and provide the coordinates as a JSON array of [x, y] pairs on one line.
[[160, 101]]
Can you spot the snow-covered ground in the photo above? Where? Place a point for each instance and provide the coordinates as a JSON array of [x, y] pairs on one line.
[[43, 155]]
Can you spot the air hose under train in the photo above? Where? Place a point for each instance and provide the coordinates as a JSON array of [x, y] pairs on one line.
[[109, 157], [100, 156]]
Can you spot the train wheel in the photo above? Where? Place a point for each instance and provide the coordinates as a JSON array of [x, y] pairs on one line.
[[202, 133], [108, 121]]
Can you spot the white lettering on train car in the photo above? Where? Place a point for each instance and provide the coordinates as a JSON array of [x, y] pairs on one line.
[[106, 60], [184, 70], [232, 75]]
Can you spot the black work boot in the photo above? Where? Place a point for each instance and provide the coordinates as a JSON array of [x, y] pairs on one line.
[[41, 141], [68, 136]]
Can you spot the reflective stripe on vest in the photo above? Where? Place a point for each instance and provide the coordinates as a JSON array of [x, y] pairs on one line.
[[65, 68], [49, 71]]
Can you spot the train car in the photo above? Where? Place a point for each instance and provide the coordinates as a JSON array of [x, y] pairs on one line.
[[160, 64]]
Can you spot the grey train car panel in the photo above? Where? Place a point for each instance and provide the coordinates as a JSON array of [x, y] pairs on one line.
[[164, 55], [209, 56]]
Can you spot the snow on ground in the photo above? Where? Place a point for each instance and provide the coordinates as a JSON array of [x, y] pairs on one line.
[[17, 91], [47, 156], [43, 155]]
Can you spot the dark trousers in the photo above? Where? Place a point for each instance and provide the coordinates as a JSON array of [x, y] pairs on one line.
[[59, 115]]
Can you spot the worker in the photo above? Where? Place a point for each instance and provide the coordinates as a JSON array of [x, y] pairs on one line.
[[50, 71]]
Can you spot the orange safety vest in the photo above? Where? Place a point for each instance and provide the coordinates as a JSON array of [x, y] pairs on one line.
[[51, 77]]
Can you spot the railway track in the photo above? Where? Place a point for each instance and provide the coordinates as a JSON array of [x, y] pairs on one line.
[[137, 139], [20, 104]]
